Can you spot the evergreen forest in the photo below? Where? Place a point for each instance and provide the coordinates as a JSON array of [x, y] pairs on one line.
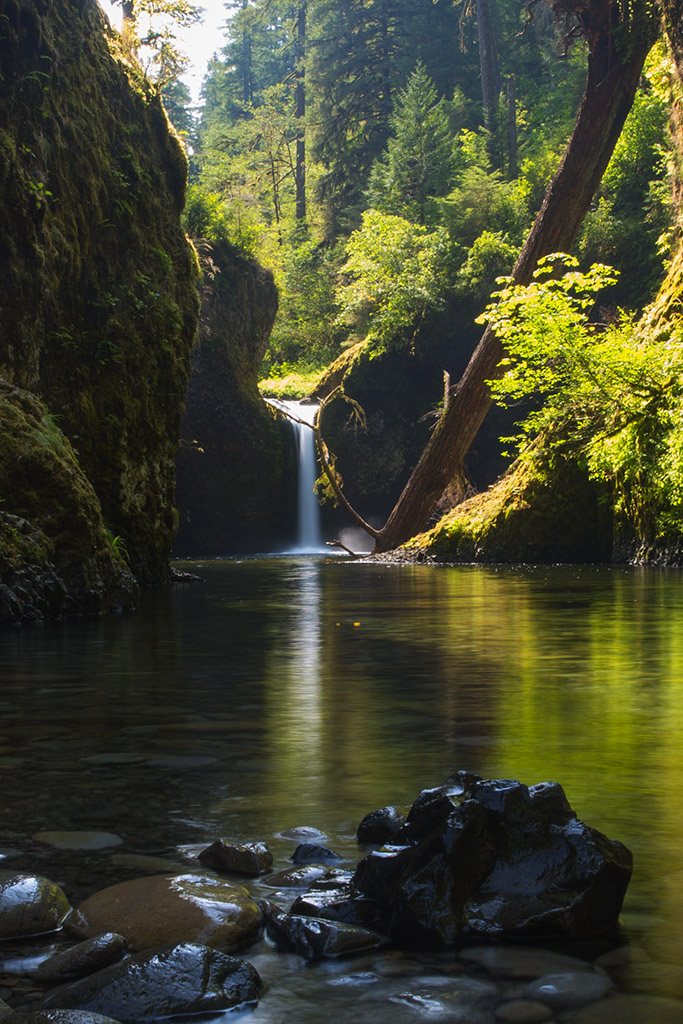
[[381, 156]]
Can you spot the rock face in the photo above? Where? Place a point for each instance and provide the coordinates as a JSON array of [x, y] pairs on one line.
[[30, 905], [181, 908], [55, 556], [98, 305], [493, 860], [181, 979], [235, 472]]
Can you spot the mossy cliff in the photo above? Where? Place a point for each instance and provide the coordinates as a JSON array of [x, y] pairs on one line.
[[55, 555], [234, 466], [98, 304]]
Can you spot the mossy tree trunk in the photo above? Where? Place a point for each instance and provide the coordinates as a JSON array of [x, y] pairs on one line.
[[615, 63]]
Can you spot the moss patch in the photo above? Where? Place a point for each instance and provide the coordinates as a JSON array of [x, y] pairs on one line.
[[55, 556], [538, 512]]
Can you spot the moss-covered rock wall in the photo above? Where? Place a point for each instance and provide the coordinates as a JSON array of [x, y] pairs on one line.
[[235, 473], [98, 304]]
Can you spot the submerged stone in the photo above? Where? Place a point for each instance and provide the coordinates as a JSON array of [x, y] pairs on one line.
[[181, 979], [567, 991], [495, 859], [30, 905], [180, 908]]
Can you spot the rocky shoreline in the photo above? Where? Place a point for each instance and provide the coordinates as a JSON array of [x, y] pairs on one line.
[[470, 860]]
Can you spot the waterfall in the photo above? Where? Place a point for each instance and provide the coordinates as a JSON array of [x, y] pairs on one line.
[[309, 538]]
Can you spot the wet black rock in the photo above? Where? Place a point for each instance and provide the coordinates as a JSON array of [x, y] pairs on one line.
[[30, 905], [308, 853], [495, 859], [243, 859], [317, 939], [308, 875], [378, 826], [183, 979], [344, 904], [84, 958]]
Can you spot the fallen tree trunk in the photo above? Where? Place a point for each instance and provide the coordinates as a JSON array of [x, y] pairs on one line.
[[616, 58]]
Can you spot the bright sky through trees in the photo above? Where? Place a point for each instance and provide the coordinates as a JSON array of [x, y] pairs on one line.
[[199, 42]]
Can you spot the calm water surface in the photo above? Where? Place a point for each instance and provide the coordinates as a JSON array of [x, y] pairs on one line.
[[284, 692]]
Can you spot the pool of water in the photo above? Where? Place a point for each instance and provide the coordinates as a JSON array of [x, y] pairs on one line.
[[307, 691]]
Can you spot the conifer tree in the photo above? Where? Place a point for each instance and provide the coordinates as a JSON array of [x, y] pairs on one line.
[[417, 163]]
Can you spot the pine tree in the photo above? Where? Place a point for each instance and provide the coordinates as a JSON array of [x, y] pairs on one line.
[[417, 163]]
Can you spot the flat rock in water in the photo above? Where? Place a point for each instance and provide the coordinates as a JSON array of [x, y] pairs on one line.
[[172, 908], [84, 958], [567, 991], [302, 833], [78, 840], [30, 905], [243, 858], [307, 875], [316, 939], [521, 961], [181, 979]]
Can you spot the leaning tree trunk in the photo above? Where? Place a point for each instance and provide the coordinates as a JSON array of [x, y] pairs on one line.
[[613, 74]]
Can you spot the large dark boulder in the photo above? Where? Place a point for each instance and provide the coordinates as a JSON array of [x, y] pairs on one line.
[[235, 472], [495, 859]]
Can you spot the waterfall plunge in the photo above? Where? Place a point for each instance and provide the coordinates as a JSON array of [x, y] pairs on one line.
[[309, 538]]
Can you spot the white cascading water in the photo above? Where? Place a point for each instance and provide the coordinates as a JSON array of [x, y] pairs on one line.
[[309, 538]]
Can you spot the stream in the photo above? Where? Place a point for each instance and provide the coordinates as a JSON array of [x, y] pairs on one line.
[[306, 691]]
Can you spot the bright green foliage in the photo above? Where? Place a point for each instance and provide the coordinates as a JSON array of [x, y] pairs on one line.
[[398, 271], [306, 331], [418, 161], [489, 258], [608, 397]]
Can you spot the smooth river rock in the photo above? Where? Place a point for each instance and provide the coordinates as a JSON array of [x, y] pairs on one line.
[[243, 858], [181, 979], [84, 958], [567, 991], [495, 859], [160, 909], [30, 905]]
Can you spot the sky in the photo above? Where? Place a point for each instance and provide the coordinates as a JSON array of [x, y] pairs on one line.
[[199, 43]]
